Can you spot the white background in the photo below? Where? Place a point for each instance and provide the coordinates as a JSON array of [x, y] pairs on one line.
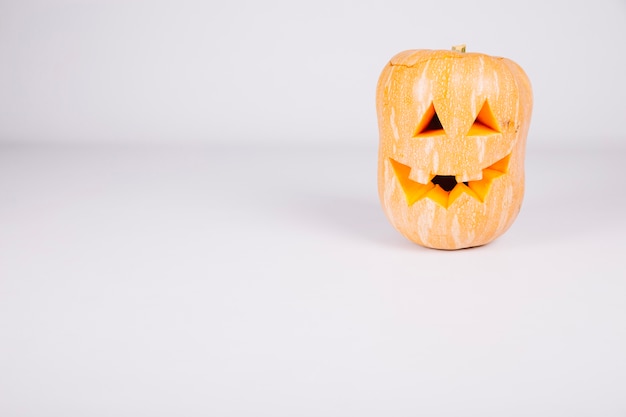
[[287, 71], [189, 220]]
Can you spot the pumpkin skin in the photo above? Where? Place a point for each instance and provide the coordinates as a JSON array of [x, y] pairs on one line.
[[452, 129]]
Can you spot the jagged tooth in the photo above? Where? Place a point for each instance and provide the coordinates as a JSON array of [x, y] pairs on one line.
[[490, 174], [481, 188], [470, 176], [459, 190], [502, 165], [417, 191], [402, 171], [439, 196], [421, 176]]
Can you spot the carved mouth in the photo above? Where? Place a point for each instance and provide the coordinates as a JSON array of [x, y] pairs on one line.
[[444, 189]]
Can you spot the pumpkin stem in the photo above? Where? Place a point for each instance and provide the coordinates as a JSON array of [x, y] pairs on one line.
[[459, 48]]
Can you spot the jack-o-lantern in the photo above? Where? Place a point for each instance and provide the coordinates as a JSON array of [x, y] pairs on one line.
[[453, 129]]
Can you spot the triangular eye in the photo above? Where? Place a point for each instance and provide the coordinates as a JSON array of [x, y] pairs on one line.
[[430, 125], [485, 123]]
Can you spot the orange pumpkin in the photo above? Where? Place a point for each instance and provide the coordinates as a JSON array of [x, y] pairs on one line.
[[453, 129]]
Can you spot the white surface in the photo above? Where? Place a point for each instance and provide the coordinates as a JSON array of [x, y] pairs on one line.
[[267, 282], [250, 72]]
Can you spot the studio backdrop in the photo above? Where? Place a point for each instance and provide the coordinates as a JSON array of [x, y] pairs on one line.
[[287, 72]]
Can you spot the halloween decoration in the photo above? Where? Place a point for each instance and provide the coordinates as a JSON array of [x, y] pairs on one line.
[[453, 129]]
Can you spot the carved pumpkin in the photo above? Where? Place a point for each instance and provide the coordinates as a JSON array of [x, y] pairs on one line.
[[452, 131]]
